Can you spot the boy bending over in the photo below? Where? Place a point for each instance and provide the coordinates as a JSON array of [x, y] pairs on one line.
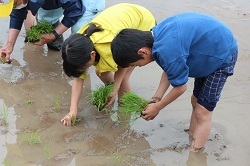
[[184, 45]]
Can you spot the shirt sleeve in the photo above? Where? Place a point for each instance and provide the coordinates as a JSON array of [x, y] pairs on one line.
[[83, 76], [177, 71], [73, 11], [17, 17]]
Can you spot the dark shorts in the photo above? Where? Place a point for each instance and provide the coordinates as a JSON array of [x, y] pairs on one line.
[[207, 90]]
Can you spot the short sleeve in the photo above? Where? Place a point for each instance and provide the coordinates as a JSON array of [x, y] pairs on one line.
[[177, 71], [83, 76]]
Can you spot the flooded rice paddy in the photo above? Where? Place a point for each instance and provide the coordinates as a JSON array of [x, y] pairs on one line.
[[35, 95]]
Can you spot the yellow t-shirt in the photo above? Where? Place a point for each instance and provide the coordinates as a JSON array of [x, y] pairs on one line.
[[113, 20]]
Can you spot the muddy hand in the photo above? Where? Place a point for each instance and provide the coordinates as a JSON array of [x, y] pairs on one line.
[[145, 116], [150, 112], [45, 38], [111, 99], [67, 120], [5, 54], [3, 60]]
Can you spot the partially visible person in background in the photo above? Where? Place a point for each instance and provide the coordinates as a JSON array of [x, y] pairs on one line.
[[91, 46], [76, 13]]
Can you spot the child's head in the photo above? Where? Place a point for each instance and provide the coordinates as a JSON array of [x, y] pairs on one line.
[[127, 44], [77, 51]]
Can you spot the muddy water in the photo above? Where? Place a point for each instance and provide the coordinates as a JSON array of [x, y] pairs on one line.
[[37, 95]]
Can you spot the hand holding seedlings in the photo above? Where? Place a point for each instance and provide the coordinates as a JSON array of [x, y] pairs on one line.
[[45, 38], [5, 53], [131, 103], [35, 33], [151, 111], [102, 96], [111, 98], [69, 119], [3, 61]]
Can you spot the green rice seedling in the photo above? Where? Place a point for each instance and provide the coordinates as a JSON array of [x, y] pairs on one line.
[[7, 162], [118, 159], [73, 120], [46, 149], [57, 104], [46, 152], [5, 114], [132, 104], [29, 101], [2, 60], [35, 31], [99, 97], [31, 138]]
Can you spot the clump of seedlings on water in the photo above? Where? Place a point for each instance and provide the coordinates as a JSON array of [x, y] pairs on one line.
[[7, 162], [33, 137], [132, 104], [5, 114], [29, 101], [100, 96], [118, 159], [34, 34]]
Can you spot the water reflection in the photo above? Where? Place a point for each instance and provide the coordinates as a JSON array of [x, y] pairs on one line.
[[8, 131], [10, 73], [197, 159]]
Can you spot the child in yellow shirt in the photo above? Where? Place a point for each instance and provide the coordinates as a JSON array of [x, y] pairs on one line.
[[91, 46]]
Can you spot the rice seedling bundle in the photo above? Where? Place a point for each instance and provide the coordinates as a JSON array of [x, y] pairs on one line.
[[99, 97], [132, 104], [35, 31]]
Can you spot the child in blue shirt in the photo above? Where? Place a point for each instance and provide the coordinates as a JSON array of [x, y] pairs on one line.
[[184, 45]]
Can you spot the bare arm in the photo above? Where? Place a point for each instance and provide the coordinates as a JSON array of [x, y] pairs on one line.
[[171, 96], [152, 110], [118, 77], [162, 87], [75, 97], [8, 48]]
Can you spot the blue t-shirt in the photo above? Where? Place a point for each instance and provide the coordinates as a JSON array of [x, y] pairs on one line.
[[73, 10], [192, 45]]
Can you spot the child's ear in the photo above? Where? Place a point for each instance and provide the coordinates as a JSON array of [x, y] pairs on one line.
[[142, 52], [92, 54]]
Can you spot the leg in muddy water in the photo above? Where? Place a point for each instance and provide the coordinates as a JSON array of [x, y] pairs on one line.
[[197, 159], [202, 128], [193, 119], [125, 85]]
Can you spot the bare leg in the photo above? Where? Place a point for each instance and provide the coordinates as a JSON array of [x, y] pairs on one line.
[[125, 85], [202, 128], [29, 21], [193, 119], [106, 77]]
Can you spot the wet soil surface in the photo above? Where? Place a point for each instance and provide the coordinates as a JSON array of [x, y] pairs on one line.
[[36, 94]]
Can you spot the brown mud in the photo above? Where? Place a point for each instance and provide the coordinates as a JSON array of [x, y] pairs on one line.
[[37, 95]]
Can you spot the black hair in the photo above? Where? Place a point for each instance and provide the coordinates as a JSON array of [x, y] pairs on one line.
[[126, 44], [76, 52]]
